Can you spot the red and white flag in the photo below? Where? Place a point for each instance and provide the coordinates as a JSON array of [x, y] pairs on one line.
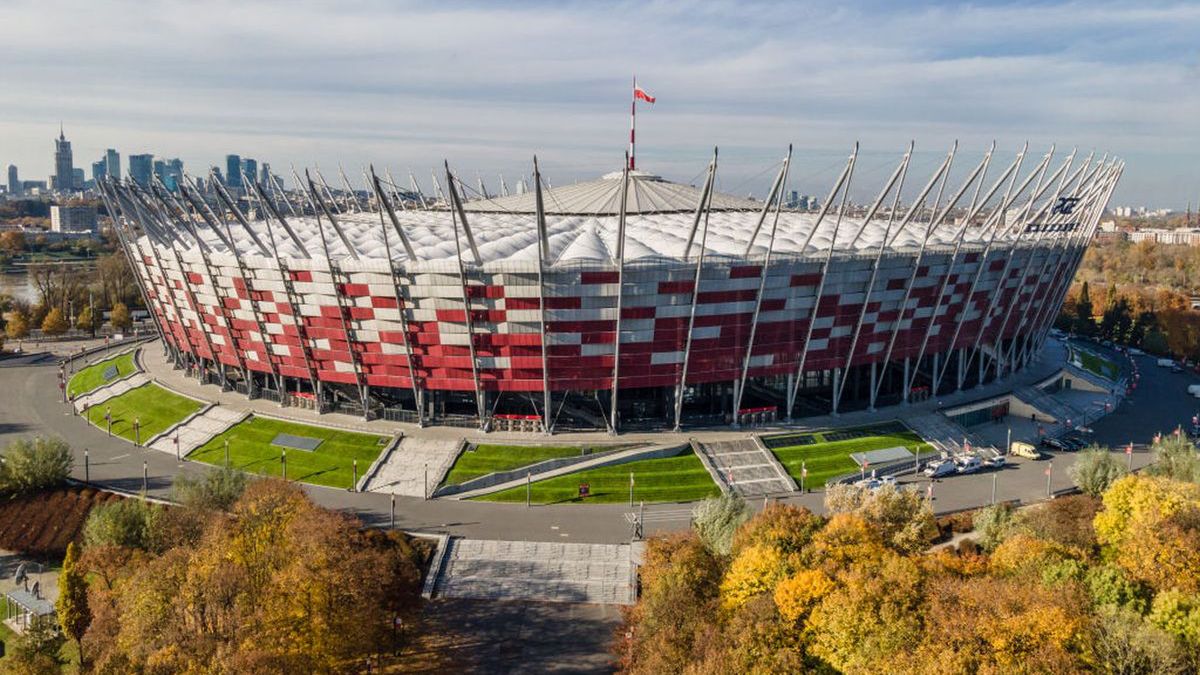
[[1129, 449], [642, 94]]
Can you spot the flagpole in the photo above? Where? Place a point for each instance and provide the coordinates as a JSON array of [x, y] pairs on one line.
[[633, 126]]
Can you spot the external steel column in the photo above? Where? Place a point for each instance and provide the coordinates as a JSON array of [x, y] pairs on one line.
[[703, 210], [544, 255], [456, 211]]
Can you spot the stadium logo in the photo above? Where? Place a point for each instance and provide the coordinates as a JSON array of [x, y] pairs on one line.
[[1065, 206]]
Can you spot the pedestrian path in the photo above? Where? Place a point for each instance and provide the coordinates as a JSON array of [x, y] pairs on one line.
[[744, 467], [1049, 405], [543, 571], [942, 433], [416, 466], [198, 430], [113, 390]]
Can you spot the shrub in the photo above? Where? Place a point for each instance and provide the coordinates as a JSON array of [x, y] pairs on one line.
[[125, 522], [55, 323], [217, 489], [1095, 469], [1176, 457], [34, 464], [993, 523]]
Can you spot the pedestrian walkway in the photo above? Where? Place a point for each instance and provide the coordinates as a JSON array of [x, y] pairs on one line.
[[113, 390], [942, 433], [195, 432], [543, 571], [744, 467], [416, 466], [1051, 406]]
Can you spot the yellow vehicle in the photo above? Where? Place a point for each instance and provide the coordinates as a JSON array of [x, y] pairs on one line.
[[1023, 449]]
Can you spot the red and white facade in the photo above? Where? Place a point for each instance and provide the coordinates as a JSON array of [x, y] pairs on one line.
[[443, 313]]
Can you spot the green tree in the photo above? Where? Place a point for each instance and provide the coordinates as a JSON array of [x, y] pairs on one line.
[[1096, 469], [120, 318], [72, 604], [55, 322], [217, 489], [717, 518], [992, 524], [1085, 324], [34, 464], [1175, 457], [36, 651], [125, 522], [1126, 643]]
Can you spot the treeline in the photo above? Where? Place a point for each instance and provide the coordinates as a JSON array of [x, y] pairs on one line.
[[1077, 584], [1147, 265], [70, 296], [1159, 321]]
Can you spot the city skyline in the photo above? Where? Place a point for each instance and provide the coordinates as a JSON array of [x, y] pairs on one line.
[[336, 87]]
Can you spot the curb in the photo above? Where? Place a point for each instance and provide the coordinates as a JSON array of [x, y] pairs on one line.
[[436, 564], [379, 461]]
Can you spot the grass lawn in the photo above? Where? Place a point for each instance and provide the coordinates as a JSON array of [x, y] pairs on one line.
[[1098, 365], [154, 407], [330, 464], [671, 479], [485, 459], [92, 377], [826, 453]]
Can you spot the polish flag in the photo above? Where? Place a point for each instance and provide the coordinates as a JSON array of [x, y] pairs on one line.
[[639, 93]]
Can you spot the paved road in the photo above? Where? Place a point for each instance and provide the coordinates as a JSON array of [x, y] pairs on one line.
[[30, 404]]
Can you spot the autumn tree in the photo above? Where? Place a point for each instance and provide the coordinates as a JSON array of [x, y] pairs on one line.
[[120, 317], [36, 651], [903, 517], [72, 606], [12, 242], [55, 323], [18, 325], [87, 321]]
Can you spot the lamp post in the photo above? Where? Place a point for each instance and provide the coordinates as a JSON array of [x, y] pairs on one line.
[[283, 463], [1049, 477], [226, 453], [393, 519], [145, 477], [137, 431], [87, 468], [354, 485]]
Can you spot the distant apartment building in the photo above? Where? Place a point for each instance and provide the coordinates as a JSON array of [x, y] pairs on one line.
[[73, 219], [173, 174], [249, 169], [99, 169], [14, 181], [1178, 237], [141, 168]]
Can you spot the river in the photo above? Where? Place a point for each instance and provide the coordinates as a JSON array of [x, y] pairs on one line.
[[18, 286]]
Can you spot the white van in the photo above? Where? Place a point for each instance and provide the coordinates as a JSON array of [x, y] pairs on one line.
[[1166, 363]]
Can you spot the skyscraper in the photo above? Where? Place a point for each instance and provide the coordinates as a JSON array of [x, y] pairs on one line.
[[78, 177], [64, 164], [14, 181], [99, 169], [141, 167], [250, 169], [264, 176], [112, 162], [233, 171], [174, 174], [160, 170]]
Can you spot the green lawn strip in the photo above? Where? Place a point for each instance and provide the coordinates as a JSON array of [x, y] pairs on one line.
[[485, 459], [1098, 365], [828, 459], [92, 377], [672, 479], [154, 407], [331, 464]]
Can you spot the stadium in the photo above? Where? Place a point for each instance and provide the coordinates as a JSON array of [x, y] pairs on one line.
[[626, 302]]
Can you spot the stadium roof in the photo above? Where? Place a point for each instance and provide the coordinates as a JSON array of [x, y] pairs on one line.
[[647, 194]]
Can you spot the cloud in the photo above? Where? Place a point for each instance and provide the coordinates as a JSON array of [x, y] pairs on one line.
[[487, 85]]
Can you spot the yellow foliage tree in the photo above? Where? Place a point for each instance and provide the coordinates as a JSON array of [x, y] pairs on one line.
[[845, 540], [1138, 497], [799, 593], [1024, 554], [1164, 552], [756, 570], [55, 323]]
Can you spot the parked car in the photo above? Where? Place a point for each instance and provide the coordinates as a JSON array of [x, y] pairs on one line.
[[969, 464], [940, 467], [1055, 444], [1176, 368], [874, 483], [1165, 363], [1027, 450], [994, 462]]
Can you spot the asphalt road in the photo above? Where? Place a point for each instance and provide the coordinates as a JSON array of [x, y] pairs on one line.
[[30, 404]]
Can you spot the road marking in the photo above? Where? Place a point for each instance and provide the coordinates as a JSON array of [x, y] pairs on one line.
[[120, 456]]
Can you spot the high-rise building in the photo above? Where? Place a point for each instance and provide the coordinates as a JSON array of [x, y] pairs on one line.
[[250, 168], [264, 176], [141, 168], [233, 171], [112, 162], [73, 219], [14, 181], [174, 174], [100, 169], [64, 164], [160, 170], [78, 177]]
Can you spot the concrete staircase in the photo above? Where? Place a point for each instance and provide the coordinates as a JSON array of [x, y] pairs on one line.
[[198, 430], [1049, 405], [542, 571], [416, 467], [744, 467], [98, 396], [942, 433]]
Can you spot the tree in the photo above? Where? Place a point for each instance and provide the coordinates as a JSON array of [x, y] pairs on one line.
[[87, 321], [125, 522], [992, 524], [1126, 643], [1085, 323], [1096, 469], [34, 464], [55, 323], [1178, 614], [36, 651], [12, 242], [756, 570], [18, 325], [120, 318], [717, 518], [1136, 497], [217, 489], [1176, 457], [903, 517], [72, 604], [781, 526]]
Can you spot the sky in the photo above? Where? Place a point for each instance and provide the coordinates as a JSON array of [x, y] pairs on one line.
[[487, 85]]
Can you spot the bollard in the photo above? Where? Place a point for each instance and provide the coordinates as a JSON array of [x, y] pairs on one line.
[[226, 453], [393, 521], [145, 477], [87, 469]]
